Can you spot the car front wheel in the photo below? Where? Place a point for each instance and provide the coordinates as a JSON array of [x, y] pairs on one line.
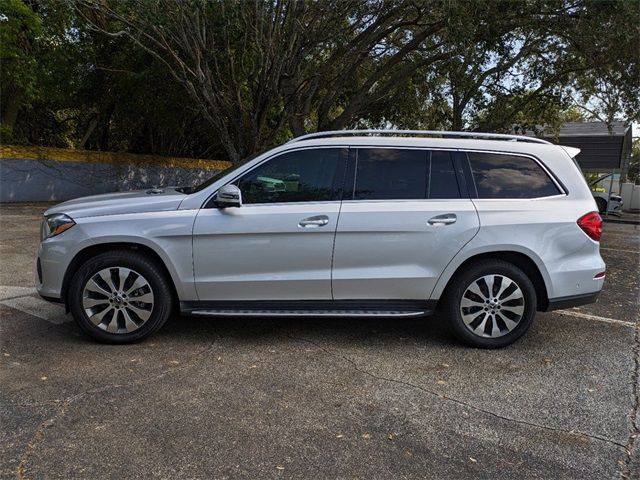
[[491, 304], [120, 297]]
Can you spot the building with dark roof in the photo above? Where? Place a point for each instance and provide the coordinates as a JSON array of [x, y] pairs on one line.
[[604, 147]]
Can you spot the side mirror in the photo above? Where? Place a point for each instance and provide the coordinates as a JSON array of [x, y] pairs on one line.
[[229, 196]]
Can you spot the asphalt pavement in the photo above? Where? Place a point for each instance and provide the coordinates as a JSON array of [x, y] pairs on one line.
[[318, 398]]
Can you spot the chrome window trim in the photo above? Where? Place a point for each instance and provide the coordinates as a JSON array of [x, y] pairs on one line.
[[414, 200], [559, 186], [289, 203], [560, 195], [392, 147], [262, 162]]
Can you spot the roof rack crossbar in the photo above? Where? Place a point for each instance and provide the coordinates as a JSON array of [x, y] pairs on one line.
[[417, 133]]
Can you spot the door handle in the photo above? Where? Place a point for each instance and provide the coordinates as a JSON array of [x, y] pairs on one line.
[[446, 219], [314, 222]]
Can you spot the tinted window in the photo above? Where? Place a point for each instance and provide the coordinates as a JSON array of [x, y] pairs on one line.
[[442, 177], [300, 176], [508, 176], [387, 174], [391, 174]]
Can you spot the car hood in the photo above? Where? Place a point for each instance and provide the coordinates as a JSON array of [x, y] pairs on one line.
[[137, 201]]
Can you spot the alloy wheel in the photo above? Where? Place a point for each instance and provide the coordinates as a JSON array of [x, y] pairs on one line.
[[118, 300], [492, 306]]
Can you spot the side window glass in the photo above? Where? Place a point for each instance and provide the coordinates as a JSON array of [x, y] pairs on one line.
[[300, 176], [443, 182], [509, 176], [384, 173], [388, 174]]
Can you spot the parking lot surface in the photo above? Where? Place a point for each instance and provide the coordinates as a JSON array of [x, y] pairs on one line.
[[318, 398]]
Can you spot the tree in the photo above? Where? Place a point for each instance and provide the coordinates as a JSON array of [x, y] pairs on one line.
[[229, 78], [19, 29], [634, 163], [254, 67]]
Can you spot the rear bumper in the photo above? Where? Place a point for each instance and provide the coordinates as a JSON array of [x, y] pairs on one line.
[[571, 301]]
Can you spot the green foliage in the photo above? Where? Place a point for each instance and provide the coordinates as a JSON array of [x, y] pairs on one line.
[[634, 163], [20, 28], [224, 79]]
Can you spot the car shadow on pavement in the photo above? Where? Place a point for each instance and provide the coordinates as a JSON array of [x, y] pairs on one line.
[[426, 330]]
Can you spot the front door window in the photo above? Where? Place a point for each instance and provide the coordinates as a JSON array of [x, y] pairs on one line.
[[299, 176]]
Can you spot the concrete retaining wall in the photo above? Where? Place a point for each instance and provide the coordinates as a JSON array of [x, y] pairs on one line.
[[30, 174], [36, 174]]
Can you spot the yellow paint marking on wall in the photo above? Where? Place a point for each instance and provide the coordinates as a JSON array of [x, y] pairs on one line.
[[91, 156]]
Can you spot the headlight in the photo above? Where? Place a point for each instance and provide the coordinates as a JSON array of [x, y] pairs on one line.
[[56, 224]]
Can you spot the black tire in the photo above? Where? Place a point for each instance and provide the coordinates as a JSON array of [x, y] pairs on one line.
[[602, 205], [464, 279], [160, 309]]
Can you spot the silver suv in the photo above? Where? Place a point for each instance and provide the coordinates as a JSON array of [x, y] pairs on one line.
[[486, 228]]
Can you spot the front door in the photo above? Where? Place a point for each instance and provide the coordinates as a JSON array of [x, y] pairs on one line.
[[278, 245], [405, 219]]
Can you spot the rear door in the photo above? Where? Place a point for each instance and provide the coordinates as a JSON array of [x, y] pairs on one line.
[[404, 218]]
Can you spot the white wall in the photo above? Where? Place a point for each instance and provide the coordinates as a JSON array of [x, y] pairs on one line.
[[630, 194]]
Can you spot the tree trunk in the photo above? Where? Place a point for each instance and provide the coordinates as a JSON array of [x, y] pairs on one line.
[[92, 126], [456, 111], [105, 127], [12, 107], [457, 123]]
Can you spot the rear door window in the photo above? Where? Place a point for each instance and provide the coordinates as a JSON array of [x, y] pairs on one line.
[[443, 182], [404, 174], [509, 176]]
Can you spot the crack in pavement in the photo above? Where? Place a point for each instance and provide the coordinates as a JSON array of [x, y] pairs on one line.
[[455, 400], [24, 291], [38, 436], [634, 432], [18, 296], [63, 406]]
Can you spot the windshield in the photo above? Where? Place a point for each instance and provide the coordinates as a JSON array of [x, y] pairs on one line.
[[197, 188]]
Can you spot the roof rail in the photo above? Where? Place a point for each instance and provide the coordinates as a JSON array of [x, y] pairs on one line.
[[417, 133]]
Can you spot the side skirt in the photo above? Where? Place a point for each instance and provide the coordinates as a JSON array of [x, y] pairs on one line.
[[309, 308]]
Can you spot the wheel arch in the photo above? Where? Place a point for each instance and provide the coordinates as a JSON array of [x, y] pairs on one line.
[[538, 275], [96, 249]]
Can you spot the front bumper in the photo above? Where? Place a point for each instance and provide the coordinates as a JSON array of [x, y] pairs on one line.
[[52, 261]]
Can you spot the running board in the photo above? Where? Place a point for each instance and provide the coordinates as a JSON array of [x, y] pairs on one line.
[[305, 313], [309, 308]]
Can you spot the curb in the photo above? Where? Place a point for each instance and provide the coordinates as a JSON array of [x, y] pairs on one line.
[[620, 220]]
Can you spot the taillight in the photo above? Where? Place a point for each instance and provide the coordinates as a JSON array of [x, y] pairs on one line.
[[591, 224]]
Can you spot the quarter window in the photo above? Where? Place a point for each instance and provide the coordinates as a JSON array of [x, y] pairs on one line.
[[396, 174], [509, 176], [299, 176]]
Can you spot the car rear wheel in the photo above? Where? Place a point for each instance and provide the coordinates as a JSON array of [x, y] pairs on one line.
[[120, 297], [491, 304]]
